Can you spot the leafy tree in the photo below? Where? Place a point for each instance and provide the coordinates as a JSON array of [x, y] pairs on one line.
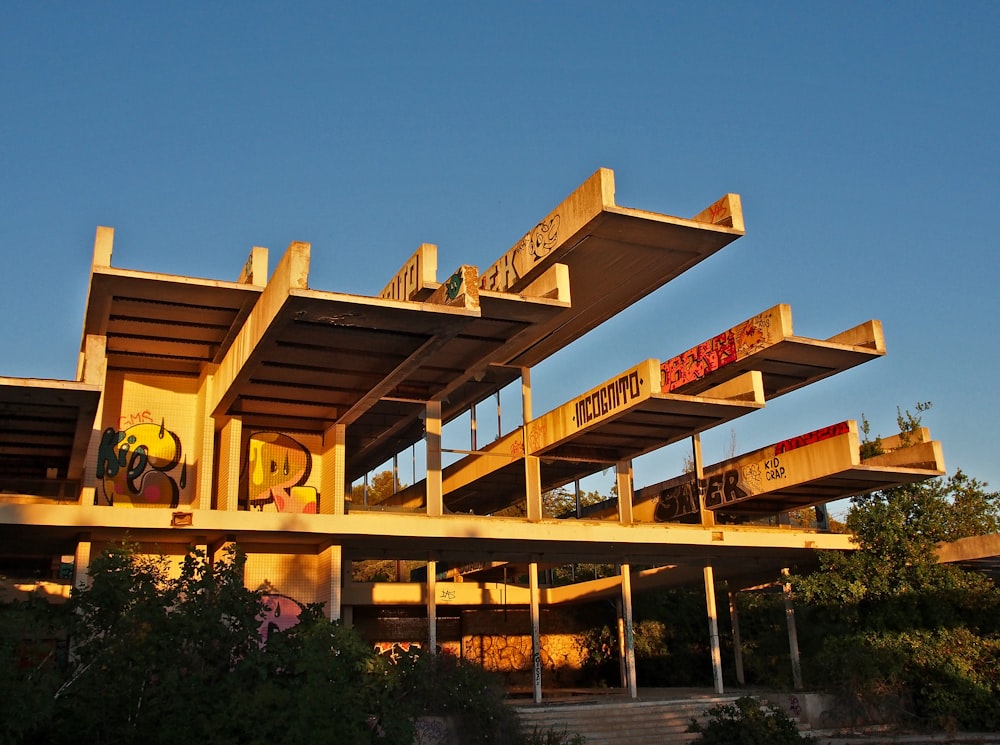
[[167, 654], [381, 486], [31, 651], [154, 656], [889, 620]]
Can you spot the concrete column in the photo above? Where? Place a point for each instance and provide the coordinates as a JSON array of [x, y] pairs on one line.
[[81, 562], [536, 634], [432, 439], [230, 438], [533, 488], [629, 631], [331, 581], [432, 606], [620, 629], [525, 395], [734, 617], [332, 499], [532, 466], [793, 634], [623, 479], [822, 517], [713, 628], [707, 516]]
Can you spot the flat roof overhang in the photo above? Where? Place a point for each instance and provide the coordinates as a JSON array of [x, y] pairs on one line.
[[40, 422], [849, 482], [766, 343], [373, 365], [164, 324], [979, 553], [45, 529], [615, 255], [650, 424], [622, 419]]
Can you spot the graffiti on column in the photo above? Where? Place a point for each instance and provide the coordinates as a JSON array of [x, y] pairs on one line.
[[274, 464], [141, 465], [280, 613]]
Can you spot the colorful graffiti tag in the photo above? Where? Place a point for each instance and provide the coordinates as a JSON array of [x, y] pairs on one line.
[[395, 650], [724, 487], [280, 613], [825, 433], [136, 466], [728, 347], [275, 464], [760, 472]]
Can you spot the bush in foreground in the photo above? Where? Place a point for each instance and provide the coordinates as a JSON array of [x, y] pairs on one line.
[[747, 722]]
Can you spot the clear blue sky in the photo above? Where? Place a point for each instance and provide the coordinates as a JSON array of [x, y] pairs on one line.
[[863, 138]]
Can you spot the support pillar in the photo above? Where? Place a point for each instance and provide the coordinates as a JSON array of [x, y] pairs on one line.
[[331, 581], [734, 617], [822, 517], [81, 562], [629, 631], [432, 439], [532, 465], [432, 606], [623, 480], [707, 516], [620, 635], [230, 438], [713, 628], [536, 634], [332, 498], [793, 634]]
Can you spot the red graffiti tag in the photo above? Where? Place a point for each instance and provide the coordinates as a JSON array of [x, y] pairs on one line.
[[809, 438]]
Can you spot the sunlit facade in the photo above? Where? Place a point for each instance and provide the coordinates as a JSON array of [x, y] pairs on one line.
[[207, 412]]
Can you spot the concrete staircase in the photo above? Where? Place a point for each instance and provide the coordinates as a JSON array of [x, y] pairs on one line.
[[620, 721]]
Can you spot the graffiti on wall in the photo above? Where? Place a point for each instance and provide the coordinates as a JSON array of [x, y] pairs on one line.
[[722, 488], [760, 472], [735, 344], [273, 466], [610, 397], [280, 613], [841, 428], [393, 651], [524, 256], [140, 464]]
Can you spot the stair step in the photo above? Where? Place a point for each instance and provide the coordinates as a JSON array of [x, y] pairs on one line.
[[619, 722]]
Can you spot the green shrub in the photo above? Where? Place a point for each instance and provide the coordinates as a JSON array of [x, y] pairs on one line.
[[747, 722], [424, 684], [553, 737]]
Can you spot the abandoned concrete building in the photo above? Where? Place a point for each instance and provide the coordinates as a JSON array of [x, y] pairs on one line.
[[207, 412]]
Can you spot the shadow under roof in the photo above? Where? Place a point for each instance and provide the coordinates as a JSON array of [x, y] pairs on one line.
[[40, 422], [164, 324]]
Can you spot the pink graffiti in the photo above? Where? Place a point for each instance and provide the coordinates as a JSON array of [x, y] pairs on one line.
[[280, 613]]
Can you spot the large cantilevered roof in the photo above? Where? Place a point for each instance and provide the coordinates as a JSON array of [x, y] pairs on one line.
[[615, 256], [298, 359], [804, 471], [41, 423], [766, 343], [625, 417], [165, 324]]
